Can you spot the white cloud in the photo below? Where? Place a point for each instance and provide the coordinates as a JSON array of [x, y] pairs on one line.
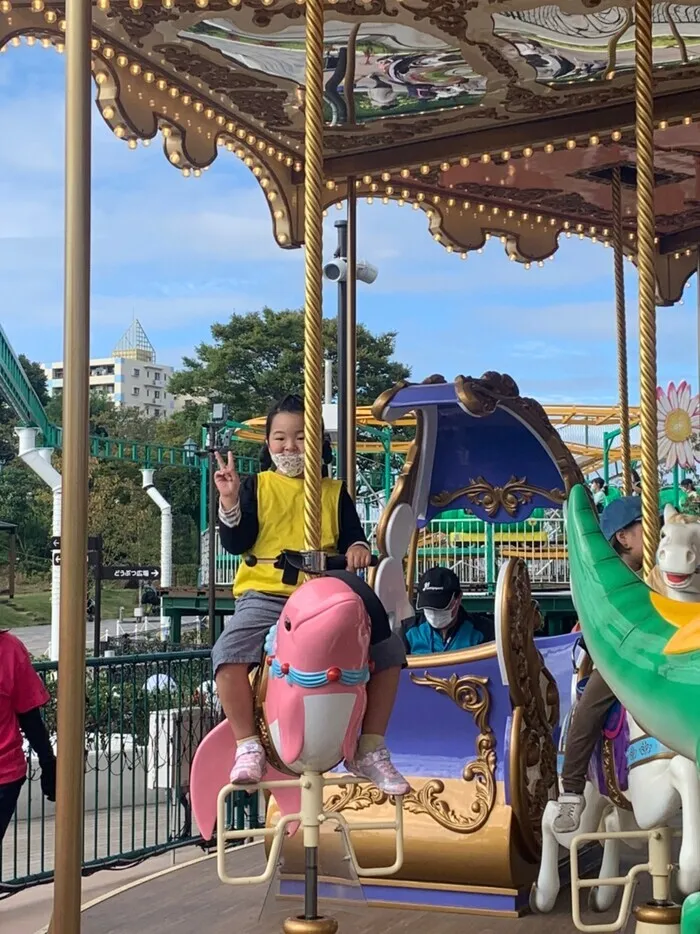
[[181, 254], [541, 350]]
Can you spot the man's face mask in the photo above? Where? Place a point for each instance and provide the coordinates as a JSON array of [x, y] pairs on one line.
[[441, 619], [291, 465]]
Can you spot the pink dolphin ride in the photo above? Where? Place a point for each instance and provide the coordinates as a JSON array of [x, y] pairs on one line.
[[318, 666]]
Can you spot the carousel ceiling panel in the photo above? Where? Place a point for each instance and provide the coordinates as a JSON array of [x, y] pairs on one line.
[[402, 73], [494, 117]]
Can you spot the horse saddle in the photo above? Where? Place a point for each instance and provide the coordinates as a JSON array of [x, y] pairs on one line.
[[608, 768]]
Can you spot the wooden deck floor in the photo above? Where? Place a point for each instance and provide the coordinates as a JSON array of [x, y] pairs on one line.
[[191, 899]]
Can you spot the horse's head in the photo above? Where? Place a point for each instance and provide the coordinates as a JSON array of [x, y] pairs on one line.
[[678, 555], [324, 627]]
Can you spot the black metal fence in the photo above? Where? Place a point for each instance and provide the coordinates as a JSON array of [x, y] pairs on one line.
[[145, 715]]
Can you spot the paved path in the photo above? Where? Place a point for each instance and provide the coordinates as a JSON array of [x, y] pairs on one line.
[[36, 638]]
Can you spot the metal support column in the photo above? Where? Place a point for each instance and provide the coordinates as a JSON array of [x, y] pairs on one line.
[[621, 318], [351, 342], [76, 395]]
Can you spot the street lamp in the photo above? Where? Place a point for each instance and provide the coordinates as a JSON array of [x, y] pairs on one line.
[[345, 270], [191, 450], [218, 418]]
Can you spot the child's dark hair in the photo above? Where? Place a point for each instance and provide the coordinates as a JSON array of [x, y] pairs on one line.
[[600, 483], [293, 404]]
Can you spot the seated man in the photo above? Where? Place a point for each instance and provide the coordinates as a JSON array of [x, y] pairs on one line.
[[621, 523], [445, 626]]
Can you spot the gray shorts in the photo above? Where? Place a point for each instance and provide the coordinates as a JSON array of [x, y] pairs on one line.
[[241, 642]]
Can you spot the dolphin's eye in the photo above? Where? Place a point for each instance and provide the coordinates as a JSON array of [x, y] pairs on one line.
[[288, 624]]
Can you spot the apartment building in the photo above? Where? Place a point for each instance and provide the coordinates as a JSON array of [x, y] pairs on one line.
[[131, 376]]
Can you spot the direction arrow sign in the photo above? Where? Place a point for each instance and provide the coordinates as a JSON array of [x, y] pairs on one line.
[[130, 572], [93, 543], [56, 559]]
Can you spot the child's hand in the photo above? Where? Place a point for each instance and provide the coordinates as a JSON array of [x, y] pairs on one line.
[[227, 481], [358, 557]]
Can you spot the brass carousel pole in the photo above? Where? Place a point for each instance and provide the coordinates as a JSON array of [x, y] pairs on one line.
[[644, 97], [351, 341], [621, 317], [310, 922], [71, 692], [313, 273]]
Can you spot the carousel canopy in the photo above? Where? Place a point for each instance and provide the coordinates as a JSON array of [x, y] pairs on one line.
[[502, 119]]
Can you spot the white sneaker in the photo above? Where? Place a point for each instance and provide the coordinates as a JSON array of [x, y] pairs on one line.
[[568, 819]]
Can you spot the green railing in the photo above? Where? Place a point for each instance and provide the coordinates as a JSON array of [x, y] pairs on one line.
[[144, 717], [474, 550]]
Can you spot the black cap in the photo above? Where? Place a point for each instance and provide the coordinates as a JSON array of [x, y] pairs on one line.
[[437, 588]]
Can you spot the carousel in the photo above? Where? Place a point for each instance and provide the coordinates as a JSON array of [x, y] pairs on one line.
[[513, 121]]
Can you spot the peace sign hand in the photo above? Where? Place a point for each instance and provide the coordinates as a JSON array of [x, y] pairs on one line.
[[227, 481]]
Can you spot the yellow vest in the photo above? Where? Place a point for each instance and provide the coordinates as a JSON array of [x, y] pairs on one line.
[[281, 527]]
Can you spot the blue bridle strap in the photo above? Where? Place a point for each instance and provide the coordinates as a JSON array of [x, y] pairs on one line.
[[318, 679]]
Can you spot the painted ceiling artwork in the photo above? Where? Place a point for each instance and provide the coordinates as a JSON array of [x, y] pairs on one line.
[[495, 118]]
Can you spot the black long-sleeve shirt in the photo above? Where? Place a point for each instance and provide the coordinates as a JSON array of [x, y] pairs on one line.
[[241, 538]]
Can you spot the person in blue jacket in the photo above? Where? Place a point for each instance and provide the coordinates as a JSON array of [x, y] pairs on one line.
[[444, 626]]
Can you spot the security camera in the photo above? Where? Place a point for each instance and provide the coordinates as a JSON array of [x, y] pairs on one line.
[[336, 270], [366, 272]]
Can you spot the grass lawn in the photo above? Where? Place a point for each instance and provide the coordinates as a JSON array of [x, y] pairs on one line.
[[33, 608]]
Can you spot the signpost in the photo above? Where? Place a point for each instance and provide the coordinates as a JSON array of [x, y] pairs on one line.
[[130, 572], [141, 573]]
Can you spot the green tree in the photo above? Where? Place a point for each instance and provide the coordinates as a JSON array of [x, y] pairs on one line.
[[258, 357]]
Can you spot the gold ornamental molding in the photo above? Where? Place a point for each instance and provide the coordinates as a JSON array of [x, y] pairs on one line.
[[514, 493], [472, 696], [535, 700], [139, 99]]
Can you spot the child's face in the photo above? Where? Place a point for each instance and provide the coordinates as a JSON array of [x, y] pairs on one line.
[[287, 433]]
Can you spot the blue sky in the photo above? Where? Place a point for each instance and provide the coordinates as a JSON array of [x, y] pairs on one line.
[[183, 253]]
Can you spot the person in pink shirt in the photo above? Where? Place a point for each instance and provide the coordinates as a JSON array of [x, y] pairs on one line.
[[22, 695]]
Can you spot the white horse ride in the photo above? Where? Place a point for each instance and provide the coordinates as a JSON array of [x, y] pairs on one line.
[[634, 783], [677, 572]]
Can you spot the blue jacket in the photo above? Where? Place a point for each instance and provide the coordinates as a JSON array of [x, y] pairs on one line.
[[424, 640]]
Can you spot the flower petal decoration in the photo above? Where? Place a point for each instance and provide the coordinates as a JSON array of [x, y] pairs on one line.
[[678, 416]]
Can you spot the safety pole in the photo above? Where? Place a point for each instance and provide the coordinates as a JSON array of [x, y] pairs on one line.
[[76, 395]]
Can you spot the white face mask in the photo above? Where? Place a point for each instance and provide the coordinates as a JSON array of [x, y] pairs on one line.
[[440, 619], [291, 465]]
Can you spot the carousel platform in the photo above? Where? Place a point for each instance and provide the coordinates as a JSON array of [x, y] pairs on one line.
[[190, 898]]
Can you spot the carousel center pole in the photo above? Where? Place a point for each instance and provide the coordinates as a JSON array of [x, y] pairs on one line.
[[71, 692], [621, 318], [644, 97], [311, 922]]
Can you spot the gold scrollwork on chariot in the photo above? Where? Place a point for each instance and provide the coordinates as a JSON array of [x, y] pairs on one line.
[[514, 493], [471, 695]]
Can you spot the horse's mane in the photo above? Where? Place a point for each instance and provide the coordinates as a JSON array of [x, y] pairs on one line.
[[682, 518]]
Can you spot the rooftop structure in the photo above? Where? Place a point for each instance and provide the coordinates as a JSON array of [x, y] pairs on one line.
[[130, 377]]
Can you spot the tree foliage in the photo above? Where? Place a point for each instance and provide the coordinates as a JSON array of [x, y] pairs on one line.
[[252, 361], [256, 358]]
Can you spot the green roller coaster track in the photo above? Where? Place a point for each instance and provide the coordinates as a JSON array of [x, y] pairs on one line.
[[19, 393]]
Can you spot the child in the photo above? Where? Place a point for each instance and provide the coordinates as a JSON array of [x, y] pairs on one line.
[[446, 626], [263, 515], [22, 695], [621, 523]]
